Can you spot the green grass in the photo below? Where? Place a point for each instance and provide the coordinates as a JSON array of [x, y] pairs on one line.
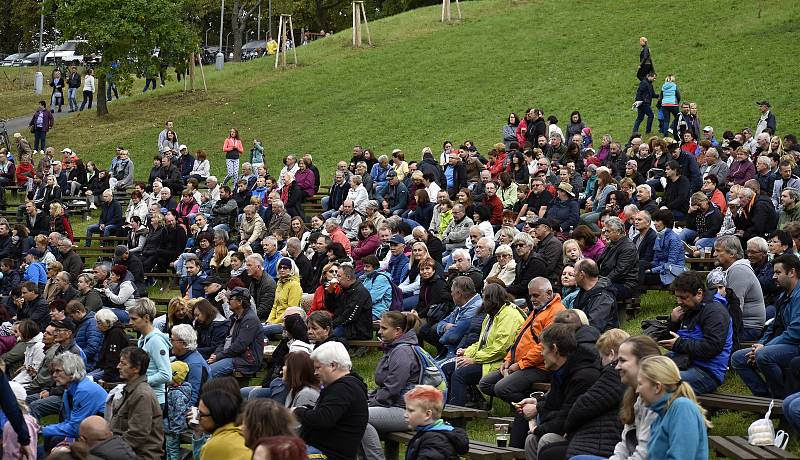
[[425, 81]]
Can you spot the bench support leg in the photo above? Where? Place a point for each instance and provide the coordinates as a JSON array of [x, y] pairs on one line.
[[392, 450]]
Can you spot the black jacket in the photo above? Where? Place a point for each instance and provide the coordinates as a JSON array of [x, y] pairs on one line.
[[593, 422], [352, 309], [429, 165], [113, 448], [209, 337], [38, 226], [154, 242], [36, 311], [337, 195], [551, 253], [338, 421], [431, 292], [307, 281], [599, 304], [713, 222], [525, 271], [441, 442], [114, 341], [647, 247], [294, 202], [676, 194], [72, 264], [263, 292], [645, 92], [174, 241], [761, 220], [473, 273], [435, 246], [459, 178], [620, 263], [572, 380]]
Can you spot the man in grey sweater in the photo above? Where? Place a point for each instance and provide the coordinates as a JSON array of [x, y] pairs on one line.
[[741, 278]]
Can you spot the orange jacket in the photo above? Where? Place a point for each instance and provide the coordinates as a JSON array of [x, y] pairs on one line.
[[528, 352]]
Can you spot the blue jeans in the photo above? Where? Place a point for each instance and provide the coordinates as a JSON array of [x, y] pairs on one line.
[[96, 229], [642, 111], [706, 242], [249, 393], [272, 329], [750, 335], [688, 235], [587, 457], [765, 378], [73, 100], [325, 200], [410, 302], [42, 407], [460, 380], [111, 86], [791, 410], [700, 380], [173, 446], [222, 367], [39, 139]]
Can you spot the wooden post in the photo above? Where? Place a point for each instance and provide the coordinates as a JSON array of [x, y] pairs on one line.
[[294, 44], [278, 52], [285, 30], [203, 74], [191, 72], [446, 13], [360, 14]]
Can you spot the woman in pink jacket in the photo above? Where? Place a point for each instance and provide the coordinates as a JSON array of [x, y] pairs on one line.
[[233, 149]]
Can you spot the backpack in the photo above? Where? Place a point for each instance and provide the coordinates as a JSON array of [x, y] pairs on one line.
[[430, 373], [397, 294]]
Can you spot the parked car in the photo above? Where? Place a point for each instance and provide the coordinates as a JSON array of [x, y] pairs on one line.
[[69, 51], [31, 59], [8, 61]]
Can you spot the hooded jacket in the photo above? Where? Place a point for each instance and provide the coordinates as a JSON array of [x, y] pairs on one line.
[[352, 309], [496, 336], [678, 432], [338, 421], [247, 342], [526, 270], [89, 338], [550, 250], [396, 372], [210, 336], [438, 441], [599, 304], [380, 290], [114, 341], [287, 294], [527, 348]]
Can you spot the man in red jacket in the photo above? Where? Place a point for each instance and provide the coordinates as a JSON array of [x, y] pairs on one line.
[[492, 201]]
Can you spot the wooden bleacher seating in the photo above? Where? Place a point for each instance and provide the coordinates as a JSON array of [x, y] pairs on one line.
[[477, 450], [737, 447], [741, 403]]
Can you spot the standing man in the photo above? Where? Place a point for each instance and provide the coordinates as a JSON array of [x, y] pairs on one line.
[[644, 97], [41, 122], [645, 60], [767, 118]]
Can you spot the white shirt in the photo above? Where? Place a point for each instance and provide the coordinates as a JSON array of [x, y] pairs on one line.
[[88, 83], [433, 191], [359, 196]]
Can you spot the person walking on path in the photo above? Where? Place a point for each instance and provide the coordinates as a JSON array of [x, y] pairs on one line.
[[41, 122], [644, 97], [233, 149], [57, 99], [645, 60], [89, 89], [73, 83]]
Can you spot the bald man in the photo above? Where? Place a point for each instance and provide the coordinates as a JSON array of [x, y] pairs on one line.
[[102, 443]]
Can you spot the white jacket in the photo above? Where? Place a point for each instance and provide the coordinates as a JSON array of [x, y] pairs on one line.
[[359, 196], [34, 355], [88, 83]]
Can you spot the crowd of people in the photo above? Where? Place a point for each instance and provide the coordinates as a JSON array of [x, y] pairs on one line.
[[510, 265]]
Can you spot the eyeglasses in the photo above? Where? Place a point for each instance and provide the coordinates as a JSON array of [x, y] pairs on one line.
[[519, 245], [503, 256]]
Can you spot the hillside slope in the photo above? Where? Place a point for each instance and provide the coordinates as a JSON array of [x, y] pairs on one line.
[[425, 82]]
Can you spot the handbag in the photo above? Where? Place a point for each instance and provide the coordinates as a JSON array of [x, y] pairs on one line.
[[656, 329], [761, 432], [438, 312]]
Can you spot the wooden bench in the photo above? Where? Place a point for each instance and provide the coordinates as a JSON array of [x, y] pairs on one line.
[[737, 447], [365, 343], [477, 450], [459, 415], [742, 403]]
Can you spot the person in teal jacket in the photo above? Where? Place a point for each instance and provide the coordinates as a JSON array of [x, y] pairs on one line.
[[378, 284], [155, 343], [82, 398], [680, 430]]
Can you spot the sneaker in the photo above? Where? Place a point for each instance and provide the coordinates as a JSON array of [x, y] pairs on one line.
[[92, 206]]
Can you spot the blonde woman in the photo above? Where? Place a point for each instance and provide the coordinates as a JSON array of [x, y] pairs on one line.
[[680, 429], [505, 267]]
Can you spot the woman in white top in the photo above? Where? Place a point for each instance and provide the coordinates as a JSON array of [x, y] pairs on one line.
[[28, 332], [505, 267], [202, 168], [120, 290], [88, 88]]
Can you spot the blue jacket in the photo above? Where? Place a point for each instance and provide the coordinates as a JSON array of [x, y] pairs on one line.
[[159, 372], [785, 330], [82, 399], [111, 213], [677, 433], [398, 268], [36, 273], [193, 284], [178, 403], [669, 93], [271, 264], [706, 337], [380, 289], [208, 337], [460, 317], [565, 212], [199, 373], [669, 259], [378, 174], [600, 204], [89, 338]]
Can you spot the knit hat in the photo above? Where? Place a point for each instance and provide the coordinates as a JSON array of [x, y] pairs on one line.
[[716, 277], [285, 262], [179, 371]]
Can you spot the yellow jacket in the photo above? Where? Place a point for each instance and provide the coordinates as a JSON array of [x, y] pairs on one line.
[[226, 443], [494, 341], [287, 294]]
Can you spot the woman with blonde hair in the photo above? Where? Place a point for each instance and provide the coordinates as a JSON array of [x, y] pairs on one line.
[[775, 145], [680, 429]]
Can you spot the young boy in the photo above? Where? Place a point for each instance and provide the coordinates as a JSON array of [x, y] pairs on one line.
[[179, 394], [434, 438]]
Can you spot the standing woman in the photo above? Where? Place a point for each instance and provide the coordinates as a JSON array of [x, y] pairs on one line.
[[89, 89], [397, 371], [57, 99], [510, 130], [670, 103], [233, 149], [645, 60], [575, 125], [680, 428]]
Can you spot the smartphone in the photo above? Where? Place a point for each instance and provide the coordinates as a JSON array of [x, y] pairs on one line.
[[194, 417]]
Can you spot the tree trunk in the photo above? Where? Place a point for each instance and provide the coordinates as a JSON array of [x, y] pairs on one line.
[[237, 24], [100, 95]]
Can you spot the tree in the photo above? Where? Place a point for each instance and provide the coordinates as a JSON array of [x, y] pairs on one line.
[[241, 12], [128, 33]]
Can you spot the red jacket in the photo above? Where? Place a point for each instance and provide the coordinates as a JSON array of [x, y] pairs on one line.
[[498, 165], [24, 172], [495, 210]]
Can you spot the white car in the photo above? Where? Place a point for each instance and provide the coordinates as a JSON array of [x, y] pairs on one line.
[[9, 60], [68, 51]]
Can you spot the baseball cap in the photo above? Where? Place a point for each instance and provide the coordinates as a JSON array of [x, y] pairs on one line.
[[240, 293], [397, 239], [391, 174], [708, 128], [65, 323], [764, 102], [213, 279], [182, 147]]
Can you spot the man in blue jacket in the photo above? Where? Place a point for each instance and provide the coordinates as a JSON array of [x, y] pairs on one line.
[[447, 333], [762, 365], [82, 398], [110, 217], [192, 283], [87, 336], [702, 334]]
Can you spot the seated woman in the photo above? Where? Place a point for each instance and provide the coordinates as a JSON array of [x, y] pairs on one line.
[[379, 285], [115, 339], [29, 335], [50, 291], [367, 243], [410, 284], [505, 267], [329, 273], [301, 383], [569, 288], [432, 289], [498, 331], [703, 222], [591, 246], [211, 326], [120, 290], [218, 411], [669, 258], [319, 328], [266, 419], [178, 312], [480, 216], [397, 371], [288, 293]]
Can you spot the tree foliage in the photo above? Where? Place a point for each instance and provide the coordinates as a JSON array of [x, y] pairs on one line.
[[128, 32]]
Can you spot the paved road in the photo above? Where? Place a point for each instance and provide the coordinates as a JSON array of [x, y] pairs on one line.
[[20, 124]]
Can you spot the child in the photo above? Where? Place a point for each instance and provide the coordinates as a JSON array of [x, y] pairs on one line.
[[179, 394], [445, 216], [11, 447], [434, 437], [257, 154]]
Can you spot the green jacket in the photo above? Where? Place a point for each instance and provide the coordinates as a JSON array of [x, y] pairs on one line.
[[496, 338]]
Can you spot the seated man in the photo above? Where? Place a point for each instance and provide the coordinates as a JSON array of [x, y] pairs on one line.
[[702, 334], [529, 265], [244, 347], [351, 307], [524, 363], [758, 216], [82, 398], [102, 443], [446, 334], [574, 372], [595, 297], [110, 217], [762, 365], [620, 259], [741, 279], [549, 248], [191, 285], [455, 234]]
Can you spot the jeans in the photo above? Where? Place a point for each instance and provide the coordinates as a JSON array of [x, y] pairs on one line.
[[460, 379], [765, 378], [249, 393], [232, 171], [706, 242], [272, 329], [222, 367], [111, 86], [340, 332], [173, 446], [750, 334], [383, 420], [147, 84], [667, 111], [688, 235], [700, 380], [87, 96], [325, 200], [39, 139], [791, 410], [73, 100], [410, 302], [42, 407], [96, 229], [642, 111], [57, 99], [514, 387]]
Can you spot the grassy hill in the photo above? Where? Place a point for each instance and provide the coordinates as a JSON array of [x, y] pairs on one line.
[[425, 81]]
